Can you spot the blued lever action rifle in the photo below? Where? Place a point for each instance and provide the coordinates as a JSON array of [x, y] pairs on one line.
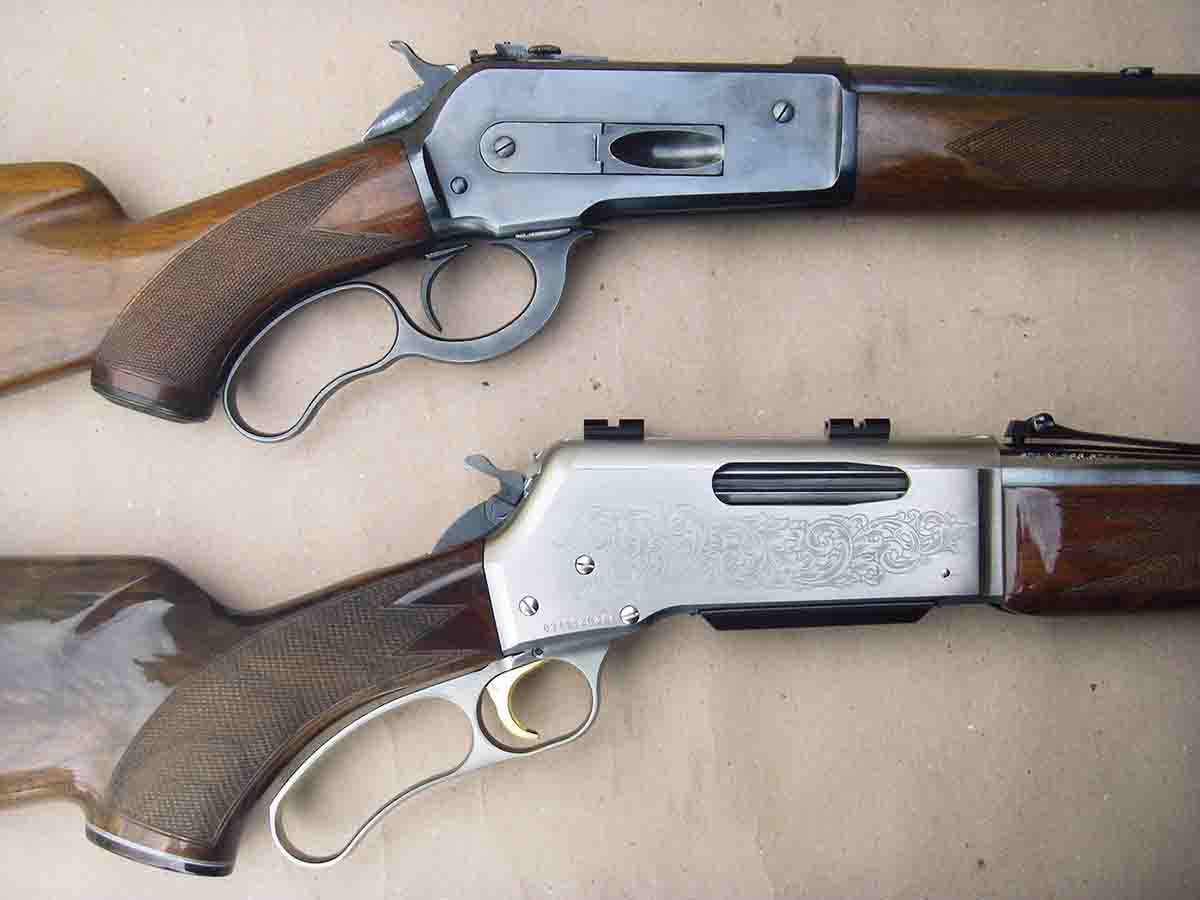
[[598, 539], [528, 148]]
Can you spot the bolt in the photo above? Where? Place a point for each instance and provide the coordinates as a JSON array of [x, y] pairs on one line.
[[585, 565], [458, 184], [629, 614], [504, 146], [545, 50], [527, 605], [783, 111]]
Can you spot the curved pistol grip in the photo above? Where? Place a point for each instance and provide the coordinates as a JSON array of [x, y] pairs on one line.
[[219, 268]]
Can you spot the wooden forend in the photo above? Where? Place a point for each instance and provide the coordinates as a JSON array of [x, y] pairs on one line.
[[1080, 549]]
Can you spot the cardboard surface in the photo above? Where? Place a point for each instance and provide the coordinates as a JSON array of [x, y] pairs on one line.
[[971, 755]]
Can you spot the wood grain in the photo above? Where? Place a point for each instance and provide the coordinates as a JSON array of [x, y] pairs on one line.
[[56, 303], [266, 245], [130, 692], [1101, 549], [936, 152], [71, 261]]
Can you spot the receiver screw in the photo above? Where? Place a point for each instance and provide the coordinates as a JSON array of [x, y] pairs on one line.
[[585, 565], [629, 614], [504, 147], [458, 184], [527, 605], [783, 111]]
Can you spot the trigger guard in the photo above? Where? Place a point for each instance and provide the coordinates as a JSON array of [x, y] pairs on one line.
[[546, 256], [547, 260], [228, 392], [466, 692]]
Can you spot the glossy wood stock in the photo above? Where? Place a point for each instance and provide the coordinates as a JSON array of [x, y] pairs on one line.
[[1082, 549], [130, 692], [193, 282], [933, 139]]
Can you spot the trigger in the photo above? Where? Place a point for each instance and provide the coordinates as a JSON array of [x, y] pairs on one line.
[[500, 689], [440, 259]]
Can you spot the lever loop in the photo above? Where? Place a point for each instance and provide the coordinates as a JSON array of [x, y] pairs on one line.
[[466, 692], [547, 258], [229, 393]]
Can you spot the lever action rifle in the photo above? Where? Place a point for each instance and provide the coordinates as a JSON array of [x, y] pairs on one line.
[[527, 148], [598, 539]]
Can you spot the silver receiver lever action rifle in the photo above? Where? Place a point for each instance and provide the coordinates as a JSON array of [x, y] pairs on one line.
[[598, 539]]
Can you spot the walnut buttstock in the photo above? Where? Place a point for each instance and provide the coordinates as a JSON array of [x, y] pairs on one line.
[[252, 251], [60, 286], [166, 717], [158, 306]]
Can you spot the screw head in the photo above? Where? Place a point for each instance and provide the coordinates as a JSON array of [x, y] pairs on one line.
[[783, 111], [629, 614], [945, 573], [527, 605], [458, 184], [585, 565], [504, 146]]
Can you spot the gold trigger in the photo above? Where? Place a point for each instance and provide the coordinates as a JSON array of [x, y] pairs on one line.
[[500, 689]]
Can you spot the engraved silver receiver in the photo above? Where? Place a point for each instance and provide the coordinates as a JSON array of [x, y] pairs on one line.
[[601, 537]]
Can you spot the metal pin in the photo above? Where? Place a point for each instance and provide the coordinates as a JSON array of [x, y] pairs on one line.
[[629, 614], [783, 111], [527, 605], [458, 184], [585, 565]]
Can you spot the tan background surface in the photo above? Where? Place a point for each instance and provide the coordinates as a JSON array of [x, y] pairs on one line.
[[966, 756]]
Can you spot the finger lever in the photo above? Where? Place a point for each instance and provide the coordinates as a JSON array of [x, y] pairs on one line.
[[545, 252], [466, 692]]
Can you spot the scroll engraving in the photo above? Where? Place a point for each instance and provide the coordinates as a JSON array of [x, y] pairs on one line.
[[680, 545]]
